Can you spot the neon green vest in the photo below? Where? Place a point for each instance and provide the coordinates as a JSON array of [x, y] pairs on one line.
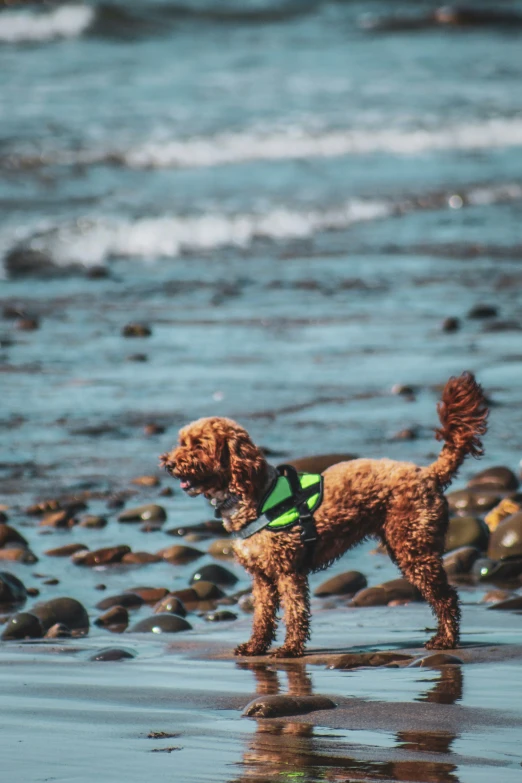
[[283, 494]]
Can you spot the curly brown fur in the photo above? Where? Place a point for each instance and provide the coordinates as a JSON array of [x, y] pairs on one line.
[[399, 502]]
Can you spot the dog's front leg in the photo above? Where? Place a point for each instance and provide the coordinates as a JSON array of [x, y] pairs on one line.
[[294, 594], [266, 604]]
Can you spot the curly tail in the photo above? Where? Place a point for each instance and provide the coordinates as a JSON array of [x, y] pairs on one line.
[[463, 413]]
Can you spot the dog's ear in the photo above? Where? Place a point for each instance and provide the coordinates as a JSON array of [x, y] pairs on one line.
[[247, 464]]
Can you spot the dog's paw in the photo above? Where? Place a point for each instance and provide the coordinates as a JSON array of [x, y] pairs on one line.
[[287, 652], [249, 649], [440, 642]]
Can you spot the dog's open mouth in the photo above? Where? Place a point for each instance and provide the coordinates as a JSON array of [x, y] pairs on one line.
[[190, 486]]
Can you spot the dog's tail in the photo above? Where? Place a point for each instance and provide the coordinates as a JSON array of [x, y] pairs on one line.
[[463, 413]]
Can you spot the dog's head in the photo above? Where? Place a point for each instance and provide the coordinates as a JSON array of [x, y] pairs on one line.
[[215, 457]]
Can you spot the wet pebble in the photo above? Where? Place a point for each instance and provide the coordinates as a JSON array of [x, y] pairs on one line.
[[222, 547], [150, 595], [65, 610], [105, 556], [18, 554], [12, 590], [58, 631], [162, 623], [9, 535], [459, 562], [27, 324], [473, 500], [166, 492], [113, 654], [153, 429], [342, 584], [136, 330], [499, 478], [318, 463], [279, 706], [170, 604], [146, 481], [246, 603], [92, 521], [207, 591], [149, 513], [128, 600], [210, 527], [66, 551], [358, 660], [506, 540], [180, 554], [435, 660], [140, 558], [115, 616], [450, 324], [214, 573], [496, 595], [481, 311], [219, 616], [58, 519], [513, 604], [23, 625], [467, 532], [370, 596], [487, 570], [401, 590], [52, 581]]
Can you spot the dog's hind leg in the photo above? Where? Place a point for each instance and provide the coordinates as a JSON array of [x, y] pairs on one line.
[[266, 604], [423, 569], [295, 597]]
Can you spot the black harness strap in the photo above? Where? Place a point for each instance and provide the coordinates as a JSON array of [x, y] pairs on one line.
[[306, 518]]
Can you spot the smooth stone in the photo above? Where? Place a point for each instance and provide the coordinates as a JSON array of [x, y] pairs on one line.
[[246, 603], [58, 519], [52, 581], [23, 625], [435, 660], [92, 521], [166, 492], [66, 551], [480, 311], [220, 616], [222, 547], [136, 330], [43, 507], [460, 561], [116, 615], [128, 600], [195, 538], [487, 570], [162, 623], [12, 589], [150, 527], [499, 477], [146, 481], [216, 574], [506, 540], [170, 605], [467, 531], [105, 556], [513, 604], [9, 535], [450, 324], [471, 500], [278, 706], [357, 660], [210, 527], [207, 591], [178, 553], [496, 595], [112, 654], [68, 611], [400, 590], [318, 463], [150, 595], [58, 631], [342, 584], [150, 513], [370, 596], [186, 596], [33, 592], [17, 554], [140, 558]]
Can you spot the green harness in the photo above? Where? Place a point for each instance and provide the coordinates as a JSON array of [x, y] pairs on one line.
[[291, 499]]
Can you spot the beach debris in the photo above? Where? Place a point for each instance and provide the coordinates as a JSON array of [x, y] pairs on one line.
[[342, 584], [466, 531], [162, 623], [149, 513], [214, 573], [279, 706]]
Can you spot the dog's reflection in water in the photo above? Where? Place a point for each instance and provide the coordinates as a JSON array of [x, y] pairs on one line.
[[287, 750]]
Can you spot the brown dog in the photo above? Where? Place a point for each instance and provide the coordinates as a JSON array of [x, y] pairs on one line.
[[399, 502]]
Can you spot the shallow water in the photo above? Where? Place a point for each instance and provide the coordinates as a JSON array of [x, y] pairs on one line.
[[293, 202]]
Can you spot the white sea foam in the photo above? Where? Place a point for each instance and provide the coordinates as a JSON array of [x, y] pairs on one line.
[[92, 243], [67, 21], [298, 143]]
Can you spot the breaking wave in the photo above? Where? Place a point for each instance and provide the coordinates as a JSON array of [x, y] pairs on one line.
[[67, 21]]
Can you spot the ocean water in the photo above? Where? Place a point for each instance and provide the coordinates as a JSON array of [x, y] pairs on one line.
[[293, 201]]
